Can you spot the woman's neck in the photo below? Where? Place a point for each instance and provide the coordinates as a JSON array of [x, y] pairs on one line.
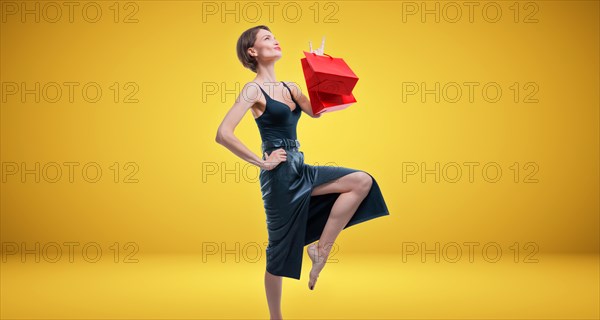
[[266, 73]]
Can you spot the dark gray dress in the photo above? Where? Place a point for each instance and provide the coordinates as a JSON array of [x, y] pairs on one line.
[[294, 217]]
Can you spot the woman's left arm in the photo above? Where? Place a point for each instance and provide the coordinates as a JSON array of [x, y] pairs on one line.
[[302, 100]]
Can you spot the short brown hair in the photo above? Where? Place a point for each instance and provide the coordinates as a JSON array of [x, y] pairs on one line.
[[246, 41]]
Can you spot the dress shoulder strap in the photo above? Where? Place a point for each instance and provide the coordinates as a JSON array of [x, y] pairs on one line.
[[292, 96], [290, 90], [263, 91]]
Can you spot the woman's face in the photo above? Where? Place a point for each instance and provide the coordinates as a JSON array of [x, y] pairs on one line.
[[266, 47]]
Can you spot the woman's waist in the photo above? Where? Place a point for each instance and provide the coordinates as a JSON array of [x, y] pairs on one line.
[[285, 143]]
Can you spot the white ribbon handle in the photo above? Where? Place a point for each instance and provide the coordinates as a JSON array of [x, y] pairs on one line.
[[319, 51]]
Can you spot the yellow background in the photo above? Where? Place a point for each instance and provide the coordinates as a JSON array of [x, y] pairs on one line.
[[170, 132], [174, 57]]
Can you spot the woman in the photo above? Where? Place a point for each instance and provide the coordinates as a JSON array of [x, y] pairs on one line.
[[303, 203]]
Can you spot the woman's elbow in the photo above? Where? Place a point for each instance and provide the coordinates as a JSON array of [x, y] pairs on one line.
[[221, 137]]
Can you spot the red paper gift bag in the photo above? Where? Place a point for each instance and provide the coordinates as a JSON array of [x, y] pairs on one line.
[[326, 102], [325, 73], [329, 81]]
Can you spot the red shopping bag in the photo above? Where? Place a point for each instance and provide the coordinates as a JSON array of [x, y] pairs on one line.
[[329, 81], [325, 102], [328, 74]]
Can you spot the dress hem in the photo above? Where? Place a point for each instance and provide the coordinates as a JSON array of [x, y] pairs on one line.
[[297, 277]]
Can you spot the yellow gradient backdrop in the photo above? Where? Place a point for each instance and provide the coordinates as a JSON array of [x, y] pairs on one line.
[[168, 73]]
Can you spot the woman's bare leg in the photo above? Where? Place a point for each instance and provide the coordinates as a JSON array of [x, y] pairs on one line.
[[353, 189], [273, 285]]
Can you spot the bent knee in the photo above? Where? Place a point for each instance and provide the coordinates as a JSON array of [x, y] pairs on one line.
[[364, 182]]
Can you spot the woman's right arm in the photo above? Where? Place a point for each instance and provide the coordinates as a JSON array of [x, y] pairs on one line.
[[225, 132]]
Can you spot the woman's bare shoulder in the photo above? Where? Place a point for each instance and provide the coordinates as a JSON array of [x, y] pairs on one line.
[[251, 85], [251, 90]]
